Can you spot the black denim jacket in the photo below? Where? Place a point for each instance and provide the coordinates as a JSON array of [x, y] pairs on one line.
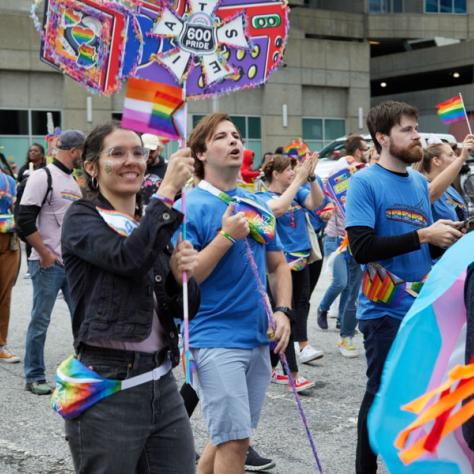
[[111, 278]]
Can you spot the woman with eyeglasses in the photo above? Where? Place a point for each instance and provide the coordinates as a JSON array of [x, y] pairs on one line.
[[125, 281]]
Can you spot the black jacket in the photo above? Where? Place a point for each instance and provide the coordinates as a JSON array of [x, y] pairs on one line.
[[111, 277]]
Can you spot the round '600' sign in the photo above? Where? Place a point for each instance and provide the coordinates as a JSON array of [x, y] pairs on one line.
[[198, 35]]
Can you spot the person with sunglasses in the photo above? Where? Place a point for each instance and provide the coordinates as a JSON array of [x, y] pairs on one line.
[[125, 279]]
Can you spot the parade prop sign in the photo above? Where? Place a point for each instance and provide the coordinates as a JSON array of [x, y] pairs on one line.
[[337, 185], [415, 421], [84, 39], [218, 47], [212, 46]]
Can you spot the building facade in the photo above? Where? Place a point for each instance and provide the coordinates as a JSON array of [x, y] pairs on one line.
[[338, 54]]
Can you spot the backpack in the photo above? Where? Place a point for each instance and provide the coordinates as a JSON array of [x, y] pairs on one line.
[[19, 193]]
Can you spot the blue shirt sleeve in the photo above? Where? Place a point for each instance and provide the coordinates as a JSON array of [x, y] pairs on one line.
[[302, 194], [360, 204]]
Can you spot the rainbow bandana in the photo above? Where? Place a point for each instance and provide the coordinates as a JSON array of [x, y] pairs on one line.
[[381, 286], [123, 224], [261, 221], [78, 387]]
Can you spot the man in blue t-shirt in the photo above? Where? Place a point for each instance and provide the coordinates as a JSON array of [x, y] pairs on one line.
[[229, 335], [390, 231]]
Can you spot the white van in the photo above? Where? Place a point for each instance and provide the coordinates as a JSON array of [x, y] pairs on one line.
[[335, 150]]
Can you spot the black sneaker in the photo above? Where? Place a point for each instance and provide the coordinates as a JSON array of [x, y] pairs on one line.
[[322, 319], [255, 462]]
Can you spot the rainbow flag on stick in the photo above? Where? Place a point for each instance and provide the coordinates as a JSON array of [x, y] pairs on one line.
[[153, 107], [452, 110]]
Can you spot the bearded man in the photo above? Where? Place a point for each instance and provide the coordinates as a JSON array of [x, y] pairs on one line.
[[390, 231]]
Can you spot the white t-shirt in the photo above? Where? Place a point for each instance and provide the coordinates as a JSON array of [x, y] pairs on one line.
[[50, 219]]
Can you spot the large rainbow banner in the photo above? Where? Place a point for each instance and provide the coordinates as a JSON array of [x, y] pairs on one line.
[[430, 343]]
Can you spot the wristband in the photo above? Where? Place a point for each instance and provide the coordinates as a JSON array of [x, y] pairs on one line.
[[227, 236], [311, 179], [164, 199]]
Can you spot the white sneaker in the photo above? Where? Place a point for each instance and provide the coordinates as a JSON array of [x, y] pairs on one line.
[[8, 357], [308, 353], [347, 349]]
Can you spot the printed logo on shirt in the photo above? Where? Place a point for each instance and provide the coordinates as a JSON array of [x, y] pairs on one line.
[[453, 202], [401, 213], [70, 196]]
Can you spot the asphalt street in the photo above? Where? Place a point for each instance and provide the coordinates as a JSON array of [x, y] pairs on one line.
[[32, 435]]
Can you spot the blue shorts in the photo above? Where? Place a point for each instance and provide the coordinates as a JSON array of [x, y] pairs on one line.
[[231, 385]]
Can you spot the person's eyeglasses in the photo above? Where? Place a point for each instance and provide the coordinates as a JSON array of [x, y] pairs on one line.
[[121, 153]]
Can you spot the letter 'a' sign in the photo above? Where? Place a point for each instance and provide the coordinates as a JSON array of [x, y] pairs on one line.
[[221, 46]]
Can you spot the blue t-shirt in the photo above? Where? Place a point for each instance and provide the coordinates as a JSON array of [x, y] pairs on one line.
[[391, 205], [314, 218], [231, 314], [7, 191], [291, 226], [445, 206]]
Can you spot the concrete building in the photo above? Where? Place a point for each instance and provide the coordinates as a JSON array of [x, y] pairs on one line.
[[323, 90]]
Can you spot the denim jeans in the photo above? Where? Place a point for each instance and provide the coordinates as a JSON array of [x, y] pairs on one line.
[[144, 429], [349, 296], [339, 276], [379, 335], [46, 285]]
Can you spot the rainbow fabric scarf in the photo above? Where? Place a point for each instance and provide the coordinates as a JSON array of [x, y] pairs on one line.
[[261, 221]]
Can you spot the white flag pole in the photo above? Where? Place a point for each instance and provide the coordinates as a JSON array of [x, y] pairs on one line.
[[465, 114]]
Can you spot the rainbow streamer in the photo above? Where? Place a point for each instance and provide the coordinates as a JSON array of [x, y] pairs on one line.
[[153, 107], [451, 110], [426, 354]]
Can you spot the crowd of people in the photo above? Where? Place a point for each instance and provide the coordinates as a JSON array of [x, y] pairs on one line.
[[114, 248]]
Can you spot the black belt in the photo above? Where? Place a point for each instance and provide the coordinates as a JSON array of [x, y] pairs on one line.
[[157, 357]]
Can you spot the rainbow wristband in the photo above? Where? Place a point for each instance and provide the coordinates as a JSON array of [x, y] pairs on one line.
[[164, 199], [227, 236]]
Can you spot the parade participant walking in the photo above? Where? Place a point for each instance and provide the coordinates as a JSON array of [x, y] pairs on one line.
[[441, 166], [347, 274], [9, 261], [228, 336], [288, 199], [389, 225], [156, 166], [48, 194], [125, 286]]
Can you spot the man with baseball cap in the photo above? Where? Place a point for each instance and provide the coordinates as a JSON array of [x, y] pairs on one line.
[[156, 166], [48, 194]]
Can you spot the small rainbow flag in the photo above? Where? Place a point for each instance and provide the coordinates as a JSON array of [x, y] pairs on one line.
[[451, 110], [297, 149], [154, 107]]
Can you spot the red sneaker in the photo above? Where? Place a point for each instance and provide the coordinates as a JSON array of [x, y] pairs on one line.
[[302, 384], [280, 379]]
